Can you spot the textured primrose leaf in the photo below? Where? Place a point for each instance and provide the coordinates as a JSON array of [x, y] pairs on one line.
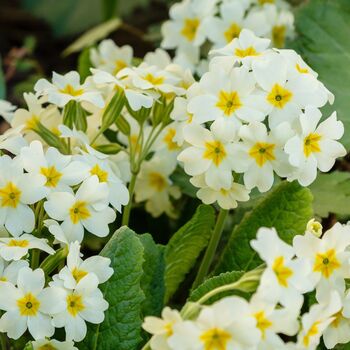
[[121, 328], [185, 246], [323, 41], [288, 208], [331, 194]]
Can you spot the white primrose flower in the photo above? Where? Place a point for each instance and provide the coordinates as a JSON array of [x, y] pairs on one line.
[[110, 57], [315, 146], [52, 344], [60, 172], [9, 271], [154, 186], [17, 191], [285, 279], [159, 58], [316, 321], [161, 328], [285, 96], [166, 142], [7, 110], [260, 154], [83, 304], [14, 248], [12, 140], [328, 257], [87, 208], [76, 137], [244, 49], [227, 324], [77, 268], [210, 153], [65, 88], [226, 198], [28, 306]]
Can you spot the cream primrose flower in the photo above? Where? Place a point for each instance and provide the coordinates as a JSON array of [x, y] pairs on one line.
[[61, 237], [161, 328], [52, 344], [110, 57], [77, 268], [260, 154], [314, 146], [189, 58], [244, 49], [154, 186], [285, 96], [96, 163], [12, 140], [9, 271], [272, 321], [166, 145], [210, 153], [15, 248], [29, 305], [137, 98], [316, 321], [66, 88], [83, 304], [230, 96], [76, 137], [60, 172], [17, 191], [227, 324], [285, 279], [225, 198], [7, 110], [159, 58], [87, 208], [328, 258]]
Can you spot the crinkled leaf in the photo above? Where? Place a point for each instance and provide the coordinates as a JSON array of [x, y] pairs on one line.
[[331, 194], [185, 246], [288, 208], [323, 41], [121, 328]]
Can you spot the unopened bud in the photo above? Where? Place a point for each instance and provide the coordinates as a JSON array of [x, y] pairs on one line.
[[314, 227]]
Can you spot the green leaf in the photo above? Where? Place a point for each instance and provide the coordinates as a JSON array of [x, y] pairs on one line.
[[152, 282], [121, 328], [324, 43], [2, 82], [84, 64], [288, 208], [215, 282], [93, 35], [109, 8], [185, 246], [331, 194]]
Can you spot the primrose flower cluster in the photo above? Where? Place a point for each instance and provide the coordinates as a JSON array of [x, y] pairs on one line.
[[272, 318], [196, 26]]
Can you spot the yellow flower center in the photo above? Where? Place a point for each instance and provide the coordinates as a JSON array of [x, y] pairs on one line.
[[312, 332], [262, 152], [279, 35], [3, 279], [189, 29], [262, 322], [32, 122], [229, 102], [157, 181], [153, 79], [47, 347], [52, 176], [301, 70], [311, 144], [101, 174], [75, 304], [169, 329], [28, 305], [232, 32], [168, 139], [79, 211], [10, 195], [215, 339], [22, 243], [118, 66], [279, 96], [338, 317], [326, 263], [282, 272], [262, 2], [215, 151], [69, 90], [78, 274], [249, 51]]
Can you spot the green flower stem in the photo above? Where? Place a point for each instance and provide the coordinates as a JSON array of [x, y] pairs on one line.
[[127, 209], [211, 249], [3, 341]]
